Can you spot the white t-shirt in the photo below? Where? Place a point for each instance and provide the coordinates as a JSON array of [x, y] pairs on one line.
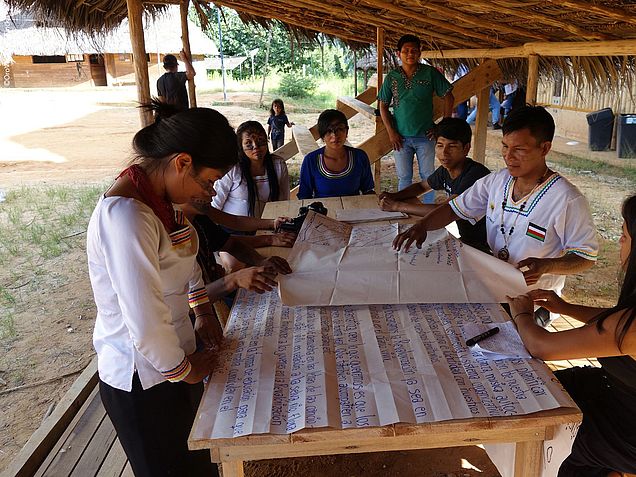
[[142, 278], [231, 190], [556, 220]]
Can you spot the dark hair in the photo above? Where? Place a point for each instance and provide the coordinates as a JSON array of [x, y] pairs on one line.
[[203, 133], [279, 102], [254, 127], [627, 298], [408, 39], [169, 61], [535, 118], [455, 129], [329, 116]]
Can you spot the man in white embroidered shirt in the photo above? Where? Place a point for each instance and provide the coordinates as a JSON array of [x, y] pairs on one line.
[[535, 218]]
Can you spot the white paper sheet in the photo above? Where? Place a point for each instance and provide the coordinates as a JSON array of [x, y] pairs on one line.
[[367, 215], [335, 263], [283, 369]]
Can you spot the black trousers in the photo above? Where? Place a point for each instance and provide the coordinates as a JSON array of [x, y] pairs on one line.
[[153, 427], [606, 440]]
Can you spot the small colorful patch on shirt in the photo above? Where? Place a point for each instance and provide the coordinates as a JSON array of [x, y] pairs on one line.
[[536, 232], [198, 297], [178, 373]]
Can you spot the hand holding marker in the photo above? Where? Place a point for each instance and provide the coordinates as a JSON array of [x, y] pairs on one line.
[[482, 336]]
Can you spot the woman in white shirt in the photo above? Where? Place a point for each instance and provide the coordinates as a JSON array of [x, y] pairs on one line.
[[258, 178], [145, 278]]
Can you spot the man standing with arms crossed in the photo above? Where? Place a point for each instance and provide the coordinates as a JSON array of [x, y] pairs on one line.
[[535, 218], [410, 88]]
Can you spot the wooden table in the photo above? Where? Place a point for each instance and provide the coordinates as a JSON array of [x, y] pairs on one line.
[[528, 431]]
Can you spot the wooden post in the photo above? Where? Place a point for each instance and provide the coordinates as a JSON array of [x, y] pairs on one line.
[[377, 176], [355, 73], [185, 39], [135, 10], [481, 125], [533, 79]]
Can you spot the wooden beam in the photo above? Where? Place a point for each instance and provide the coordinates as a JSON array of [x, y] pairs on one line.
[[481, 125], [538, 18], [357, 106], [336, 29], [533, 79], [379, 126], [614, 13], [528, 458], [185, 40], [135, 10], [328, 17], [470, 84], [455, 26], [304, 139], [559, 49], [458, 17], [44, 438]]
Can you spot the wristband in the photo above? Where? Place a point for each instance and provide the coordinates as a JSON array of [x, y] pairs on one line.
[[514, 318]]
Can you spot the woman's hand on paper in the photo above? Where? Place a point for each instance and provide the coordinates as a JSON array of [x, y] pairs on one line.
[[202, 362], [549, 300], [208, 328], [259, 279]]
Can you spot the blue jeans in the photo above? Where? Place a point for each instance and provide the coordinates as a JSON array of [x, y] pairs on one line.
[[494, 107], [424, 149]]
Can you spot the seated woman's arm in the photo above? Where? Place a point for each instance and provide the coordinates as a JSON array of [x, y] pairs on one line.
[[583, 342], [235, 222], [282, 239], [306, 186], [554, 303]]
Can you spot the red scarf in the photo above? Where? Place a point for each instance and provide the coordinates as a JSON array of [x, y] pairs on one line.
[[160, 206]]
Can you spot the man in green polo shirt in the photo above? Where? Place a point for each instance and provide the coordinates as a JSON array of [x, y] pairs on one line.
[[410, 90]]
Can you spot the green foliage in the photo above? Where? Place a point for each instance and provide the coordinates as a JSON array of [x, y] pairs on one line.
[[286, 54], [295, 85]]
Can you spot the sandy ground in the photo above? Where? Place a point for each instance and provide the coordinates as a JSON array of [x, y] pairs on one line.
[[83, 136]]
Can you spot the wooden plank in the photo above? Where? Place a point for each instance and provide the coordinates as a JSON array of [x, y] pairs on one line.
[[404, 442], [556, 48], [77, 441], [368, 201], [232, 469], [377, 146], [369, 95], [304, 139], [481, 125], [44, 438], [287, 150], [185, 39], [115, 462], [528, 459], [357, 106], [136, 26], [464, 88], [97, 450], [533, 79]]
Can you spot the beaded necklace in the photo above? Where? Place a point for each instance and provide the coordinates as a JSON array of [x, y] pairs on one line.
[[504, 253]]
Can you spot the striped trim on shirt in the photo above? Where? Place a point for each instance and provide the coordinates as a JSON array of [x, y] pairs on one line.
[[510, 207], [582, 253], [178, 373], [198, 297], [322, 167]]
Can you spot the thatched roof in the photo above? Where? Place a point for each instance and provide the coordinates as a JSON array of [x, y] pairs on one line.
[[441, 24], [21, 35]]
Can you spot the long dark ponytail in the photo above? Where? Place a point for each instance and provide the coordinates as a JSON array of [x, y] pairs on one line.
[[627, 298], [254, 127]]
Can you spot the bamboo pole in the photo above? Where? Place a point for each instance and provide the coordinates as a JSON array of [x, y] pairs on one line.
[[377, 176], [481, 125], [185, 39], [135, 10], [533, 79], [558, 49]]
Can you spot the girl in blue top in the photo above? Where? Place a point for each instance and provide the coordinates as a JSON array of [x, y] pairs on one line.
[[335, 170]]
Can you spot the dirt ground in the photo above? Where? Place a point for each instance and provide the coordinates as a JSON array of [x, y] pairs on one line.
[[76, 137]]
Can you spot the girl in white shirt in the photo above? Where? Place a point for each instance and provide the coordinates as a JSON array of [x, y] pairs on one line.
[[258, 178], [145, 279]]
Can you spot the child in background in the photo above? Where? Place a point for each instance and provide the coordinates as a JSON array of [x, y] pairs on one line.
[[276, 124]]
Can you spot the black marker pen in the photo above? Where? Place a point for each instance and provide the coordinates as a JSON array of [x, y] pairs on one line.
[[482, 336]]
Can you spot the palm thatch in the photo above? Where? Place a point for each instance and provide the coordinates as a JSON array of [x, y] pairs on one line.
[[441, 24]]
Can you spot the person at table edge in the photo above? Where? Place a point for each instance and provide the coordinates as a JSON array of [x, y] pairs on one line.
[[535, 218]]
